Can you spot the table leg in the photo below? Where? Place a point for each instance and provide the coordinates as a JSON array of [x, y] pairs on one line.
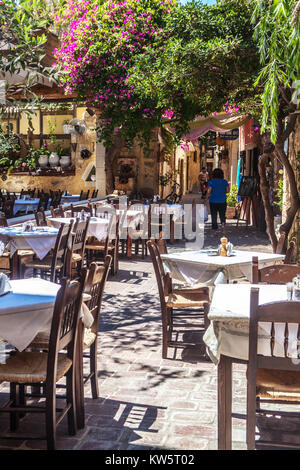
[[129, 247], [79, 385], [14, 260], [225, 403], [172, 229]]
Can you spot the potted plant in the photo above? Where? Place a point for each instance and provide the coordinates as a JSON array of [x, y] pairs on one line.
[[64, 156], [9, 149], [43, 156], [232, 200]]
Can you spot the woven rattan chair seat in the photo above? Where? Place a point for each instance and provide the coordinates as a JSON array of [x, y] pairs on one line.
[[278, 384], [31, 367]]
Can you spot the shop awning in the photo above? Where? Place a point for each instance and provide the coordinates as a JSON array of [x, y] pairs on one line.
[[222, 122]]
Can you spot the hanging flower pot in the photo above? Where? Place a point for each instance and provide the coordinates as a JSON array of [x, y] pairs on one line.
[[43, 161], [53, 159]]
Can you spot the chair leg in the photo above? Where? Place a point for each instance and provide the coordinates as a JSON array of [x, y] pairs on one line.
[[51, 416], [71, 398], [251, 416], [94, 370], [14, 396]]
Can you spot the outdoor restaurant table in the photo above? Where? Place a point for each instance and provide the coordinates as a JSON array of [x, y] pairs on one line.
[[70, 198], [97, 226], [28, 310], [25, 205], [39, 239], [227, 340], [194, 267]]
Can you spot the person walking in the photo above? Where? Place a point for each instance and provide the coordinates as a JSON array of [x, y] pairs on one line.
[[217, 190]]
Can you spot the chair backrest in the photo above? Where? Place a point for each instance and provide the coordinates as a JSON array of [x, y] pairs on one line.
[[61, 251], [95, 285], [79, 232], [163, 279], [7, 208], [57, 212], [290, 251], [44, 199], [94, 194], [3, 221], [284, 313], [162, 244], [275, 274], [64, 324], [40, 217], [75, 210]]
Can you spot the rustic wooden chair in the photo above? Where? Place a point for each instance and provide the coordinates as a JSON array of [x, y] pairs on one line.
[[58, 263], [109, 246], [275, 274], [172, 300], [44, 200], [5, 257], [40, 217], [136, 236], [47, 368], [7, 208], [76, 210], [95, 286], [57, 211], [79, 235], [270, 378]]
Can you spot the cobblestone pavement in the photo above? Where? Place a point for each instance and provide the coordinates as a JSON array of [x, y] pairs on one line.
[[147, 402]]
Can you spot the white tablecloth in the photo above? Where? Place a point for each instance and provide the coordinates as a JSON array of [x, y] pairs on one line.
[[229, 313], [97, 226], [28, 310], [25, 205], [40, 240], [193, 267]]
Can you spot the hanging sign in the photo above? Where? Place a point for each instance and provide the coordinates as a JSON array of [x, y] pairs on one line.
[[232, 135]]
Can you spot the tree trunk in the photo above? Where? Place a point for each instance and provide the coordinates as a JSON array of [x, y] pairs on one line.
[[111, 154], [265, 189]]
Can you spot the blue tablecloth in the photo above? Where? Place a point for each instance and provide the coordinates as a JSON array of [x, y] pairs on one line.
[[25, 205]]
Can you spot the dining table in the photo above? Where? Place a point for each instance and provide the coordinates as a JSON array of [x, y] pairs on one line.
[[208, 267], [227, 340], [26, 310], [97, 227], [70, 198], [38, 239], [25, 205]]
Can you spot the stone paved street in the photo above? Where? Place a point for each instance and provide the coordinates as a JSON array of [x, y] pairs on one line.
[[147, 402]]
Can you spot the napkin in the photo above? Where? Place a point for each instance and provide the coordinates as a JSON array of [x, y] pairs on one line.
[[4, 284]]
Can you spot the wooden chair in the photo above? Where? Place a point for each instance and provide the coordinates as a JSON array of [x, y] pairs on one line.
[[44, 200], [3, 221], [79, 237], [95, 286], [172, 300], [136, 236], [7, 208], [275, 274], [40, 217], [76, 210], [47, 368], [57, 211], [270, 378], [58, 263], [110, 246], [5, 257]]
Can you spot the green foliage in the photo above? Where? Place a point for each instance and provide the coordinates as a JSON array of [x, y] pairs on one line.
[[277, 31], [231, 197], [9, 148], [279, 194]]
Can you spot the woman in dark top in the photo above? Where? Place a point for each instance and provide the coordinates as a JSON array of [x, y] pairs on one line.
[[218, 187]]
